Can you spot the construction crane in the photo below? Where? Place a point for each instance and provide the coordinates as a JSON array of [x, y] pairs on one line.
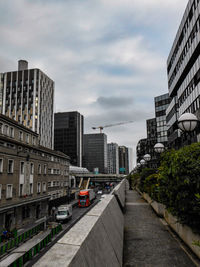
[[110, 125]]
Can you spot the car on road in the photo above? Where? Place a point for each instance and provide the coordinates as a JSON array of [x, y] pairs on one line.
[[100, 192]]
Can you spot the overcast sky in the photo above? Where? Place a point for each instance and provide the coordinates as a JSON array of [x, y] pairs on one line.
[[107, 57]]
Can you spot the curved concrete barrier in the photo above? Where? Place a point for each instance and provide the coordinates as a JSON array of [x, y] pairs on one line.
[[119, 192], [96, 240]]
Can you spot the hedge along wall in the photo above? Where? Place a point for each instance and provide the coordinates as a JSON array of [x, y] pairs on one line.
[[177, 184]]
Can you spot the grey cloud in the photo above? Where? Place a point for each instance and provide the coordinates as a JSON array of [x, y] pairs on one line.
[[114, 102]]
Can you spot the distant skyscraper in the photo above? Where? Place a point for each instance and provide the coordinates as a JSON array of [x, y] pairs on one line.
[[95, 152], [113, 158], [123, 160], [28, 97], [68, 135], [130, 158]]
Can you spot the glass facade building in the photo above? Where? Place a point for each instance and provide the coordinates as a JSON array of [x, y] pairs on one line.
[[183, 69], [68, 135], [113, 158], [123, 160], [161, 104], [95, 152]]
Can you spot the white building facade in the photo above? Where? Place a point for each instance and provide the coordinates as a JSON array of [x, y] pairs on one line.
[[113, 158], [28, 97]]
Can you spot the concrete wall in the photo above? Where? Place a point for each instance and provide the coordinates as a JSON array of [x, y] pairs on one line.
[[119, 192], [96, 240]]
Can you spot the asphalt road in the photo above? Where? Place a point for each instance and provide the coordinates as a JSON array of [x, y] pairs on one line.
[[77, 214]]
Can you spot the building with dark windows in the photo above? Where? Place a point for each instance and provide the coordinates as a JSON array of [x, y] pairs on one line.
[[161, 103], [141, 149], [68, 135], [33, 178], [27, 96], [95, 152], [156, 131], [123, 160], [113, 158], [151, 126], [183, 69]]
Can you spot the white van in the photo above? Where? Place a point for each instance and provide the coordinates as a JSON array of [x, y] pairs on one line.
[[64, 213]]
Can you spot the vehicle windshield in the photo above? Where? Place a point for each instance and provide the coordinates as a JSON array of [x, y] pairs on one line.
[[62, 212], [83, 197]]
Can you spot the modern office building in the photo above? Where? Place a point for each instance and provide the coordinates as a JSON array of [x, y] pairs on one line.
[[27, 96], [95, 152], [130, 158], [113, 158], [33, 178], [123, 160], [141, 149], [183, 68], [151, 126], [161, 104], [68, 135]]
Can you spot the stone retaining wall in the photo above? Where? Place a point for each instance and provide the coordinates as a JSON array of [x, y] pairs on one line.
[[183, 231], [96, 240]]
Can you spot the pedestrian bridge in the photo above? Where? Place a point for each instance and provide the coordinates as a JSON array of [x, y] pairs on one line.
[[99, 177]]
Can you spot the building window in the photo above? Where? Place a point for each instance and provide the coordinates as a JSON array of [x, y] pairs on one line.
[[20, 136], [0, 190], [6, 129], [32, 168], [49, 184], [10, 165], [11, 132], [27, 138], [21, 190], [45, 169], [1, 128], [44, 187], [31, 189], [9, 191], [25, 212], [33, 140], [38, 188], [21, 167], [39, 169], [1, 165]]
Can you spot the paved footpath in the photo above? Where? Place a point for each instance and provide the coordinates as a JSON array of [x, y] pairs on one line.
[[147, 242]]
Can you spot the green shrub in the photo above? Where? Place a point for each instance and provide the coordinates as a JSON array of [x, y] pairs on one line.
[[179, 184], [143, 175], [151, 186]]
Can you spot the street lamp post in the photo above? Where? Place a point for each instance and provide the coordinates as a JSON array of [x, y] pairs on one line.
[[147, 158], [159, 148], [142, 162], [187, 122]]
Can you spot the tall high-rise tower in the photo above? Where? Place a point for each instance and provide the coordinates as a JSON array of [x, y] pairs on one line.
[[113, 158], [95, 152], [68, 135], [28, 97]]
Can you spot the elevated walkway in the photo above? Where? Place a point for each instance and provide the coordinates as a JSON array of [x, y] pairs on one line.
[[147, 241]]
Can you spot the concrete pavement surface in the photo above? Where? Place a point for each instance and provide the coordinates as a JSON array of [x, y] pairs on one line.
[[147, 241]]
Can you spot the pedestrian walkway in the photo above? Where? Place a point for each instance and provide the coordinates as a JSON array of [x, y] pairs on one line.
[[147, 242]]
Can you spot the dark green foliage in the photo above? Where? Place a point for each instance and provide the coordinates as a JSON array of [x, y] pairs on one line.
[[179, 183], [143, 175]]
